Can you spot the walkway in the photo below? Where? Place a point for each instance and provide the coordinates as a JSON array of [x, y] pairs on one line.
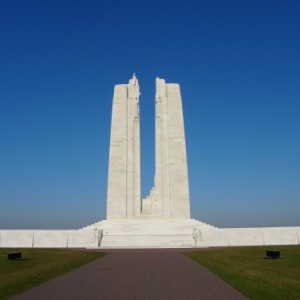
[[135, 275]]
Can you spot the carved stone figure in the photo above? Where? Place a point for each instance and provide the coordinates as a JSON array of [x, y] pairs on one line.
[[197, 236], [95, 234], [98, 235]]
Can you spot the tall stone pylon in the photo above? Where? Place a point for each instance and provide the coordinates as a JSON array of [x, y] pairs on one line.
[[124, 175], [169, 198], [171, 174]]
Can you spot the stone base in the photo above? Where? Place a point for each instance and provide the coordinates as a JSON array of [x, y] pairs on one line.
[[152, 233]]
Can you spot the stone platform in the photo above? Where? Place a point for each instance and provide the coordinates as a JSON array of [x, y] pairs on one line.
[[152, 233], [155, 233]]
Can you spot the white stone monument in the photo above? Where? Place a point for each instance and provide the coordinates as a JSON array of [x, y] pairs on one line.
[[169, 198], [162, 220]]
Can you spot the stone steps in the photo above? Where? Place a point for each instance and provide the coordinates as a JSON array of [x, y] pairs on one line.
[[154, 233], [146, 242], [147, 225]]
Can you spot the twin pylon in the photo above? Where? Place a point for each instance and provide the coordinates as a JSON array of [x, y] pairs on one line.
[[169, 198]]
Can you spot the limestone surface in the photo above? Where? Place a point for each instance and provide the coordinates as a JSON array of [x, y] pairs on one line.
[[124, 186], [153, 233], [169, 198]]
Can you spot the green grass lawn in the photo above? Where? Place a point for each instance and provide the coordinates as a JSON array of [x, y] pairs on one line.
[[37, 266], [247, 270]]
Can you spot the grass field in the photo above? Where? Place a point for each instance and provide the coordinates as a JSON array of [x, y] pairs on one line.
[[37, 266], [249, 271]]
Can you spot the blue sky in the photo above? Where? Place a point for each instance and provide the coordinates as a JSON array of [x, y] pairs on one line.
[[238, 66]]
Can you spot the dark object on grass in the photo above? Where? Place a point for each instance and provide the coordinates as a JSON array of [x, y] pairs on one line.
[[14, 255], [273, 253]]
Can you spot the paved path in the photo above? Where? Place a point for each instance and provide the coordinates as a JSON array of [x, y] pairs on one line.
[[133, 274]]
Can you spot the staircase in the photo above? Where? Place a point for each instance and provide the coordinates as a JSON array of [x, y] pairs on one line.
[[149, 233]]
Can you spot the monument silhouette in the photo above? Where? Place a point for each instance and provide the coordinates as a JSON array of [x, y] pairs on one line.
[[161, 220]]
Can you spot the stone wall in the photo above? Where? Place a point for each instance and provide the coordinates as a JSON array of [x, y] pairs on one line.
[[163, 233]]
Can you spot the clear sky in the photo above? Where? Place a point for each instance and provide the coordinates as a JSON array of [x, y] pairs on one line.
[[238, 65]]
